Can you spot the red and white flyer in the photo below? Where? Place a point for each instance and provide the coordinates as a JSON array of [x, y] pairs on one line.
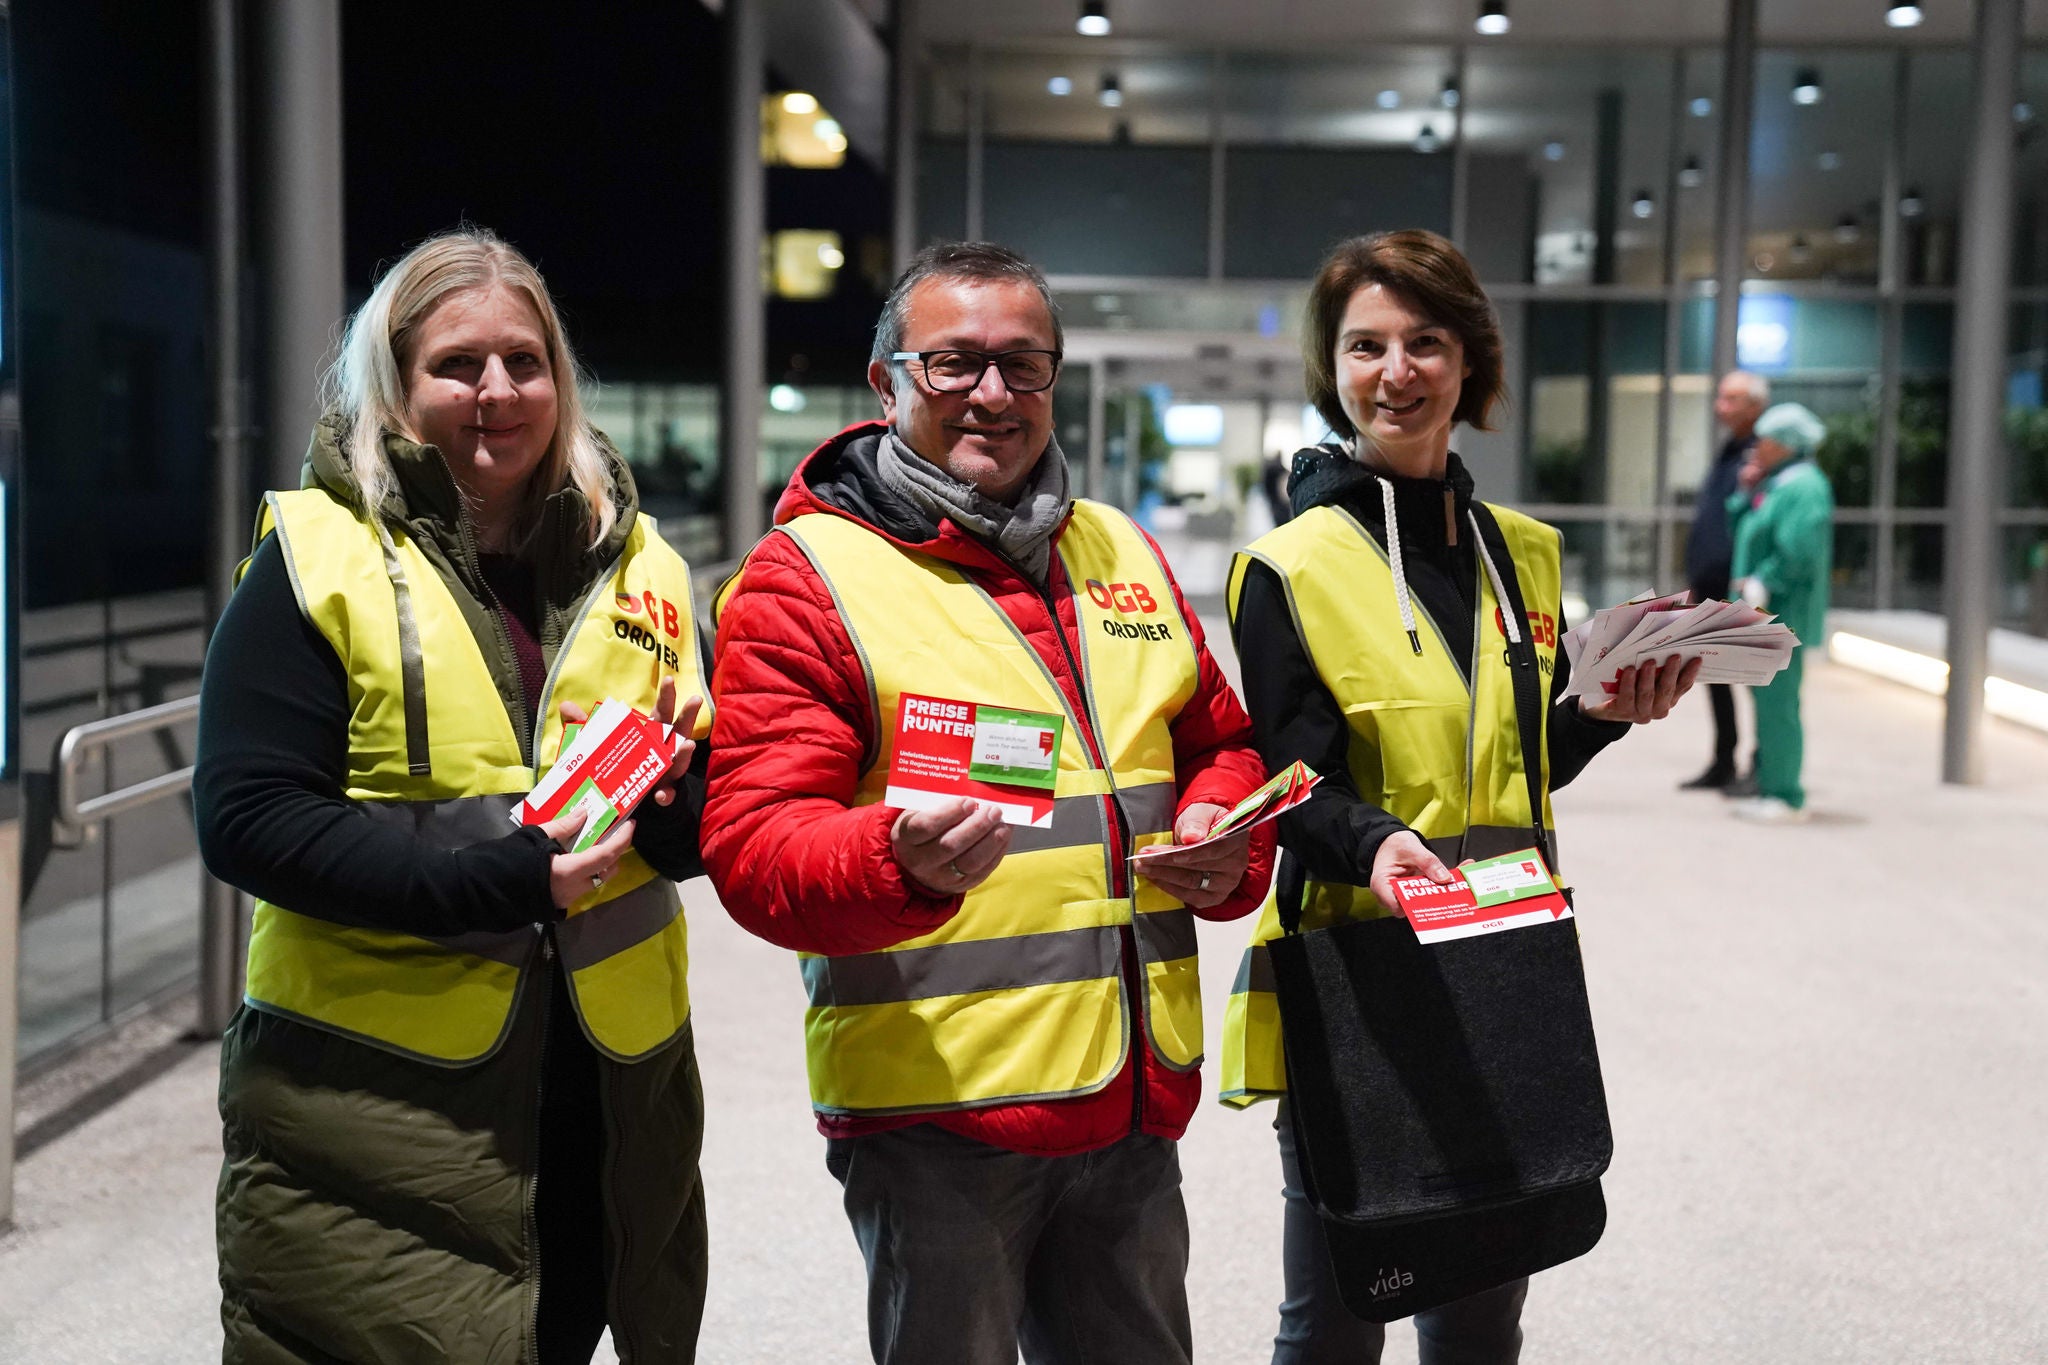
[[946, 749], [613, 761], [1490, 896]]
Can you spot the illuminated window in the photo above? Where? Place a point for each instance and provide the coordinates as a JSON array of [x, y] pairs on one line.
[[796, 131], [802, 263]]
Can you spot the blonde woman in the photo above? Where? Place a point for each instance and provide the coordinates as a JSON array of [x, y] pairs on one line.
[[461, 1105]]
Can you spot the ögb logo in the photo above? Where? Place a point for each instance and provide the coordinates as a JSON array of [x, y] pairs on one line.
[[1542, 627], [661, 613], [1127, 598]]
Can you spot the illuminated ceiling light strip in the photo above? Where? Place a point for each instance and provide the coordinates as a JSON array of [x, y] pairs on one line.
[[2003, 697]]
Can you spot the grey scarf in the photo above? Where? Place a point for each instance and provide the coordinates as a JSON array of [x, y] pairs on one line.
[[1021, 529]]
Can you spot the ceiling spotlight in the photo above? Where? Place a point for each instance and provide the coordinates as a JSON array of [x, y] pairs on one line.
[[1800, 251], [1642, 206], [1828, 161], [1388, 99], [1094, 21], [1911, 205], [1493, 18], [1451, 94], [1903, 16], [1690, 176], [799, 102], [1701, 106], [1427, 141], [1846, 229], [1111, 91], [1553, 150], [1059, 85], [1806, 86], [830, 256]]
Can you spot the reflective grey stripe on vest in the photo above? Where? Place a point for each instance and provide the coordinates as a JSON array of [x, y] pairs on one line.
[[1166, 935], [1254, 971], [612, 927], [513, 948], [1484, 841], [1150, 807], [412, 665], [456, 822], [959, 968]]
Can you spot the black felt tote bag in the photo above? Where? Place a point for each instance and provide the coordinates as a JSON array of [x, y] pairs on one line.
[[1446, 1098]]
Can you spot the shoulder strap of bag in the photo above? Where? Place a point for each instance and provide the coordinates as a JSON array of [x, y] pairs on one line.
[[1528, 678]]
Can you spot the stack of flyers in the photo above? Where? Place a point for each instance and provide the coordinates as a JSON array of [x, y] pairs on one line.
[[606, 766], [1734, 641], [1279, 795]]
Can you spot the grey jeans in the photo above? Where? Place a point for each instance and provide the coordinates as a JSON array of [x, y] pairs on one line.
[[1317, 1329], [973, 1251]]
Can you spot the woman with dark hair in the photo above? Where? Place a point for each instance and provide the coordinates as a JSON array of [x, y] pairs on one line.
[[1374, 650], [465, 1056]]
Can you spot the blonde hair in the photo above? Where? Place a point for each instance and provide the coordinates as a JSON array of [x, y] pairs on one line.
[[365, 386]]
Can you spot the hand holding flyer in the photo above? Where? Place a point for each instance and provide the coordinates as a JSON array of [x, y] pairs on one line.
[[946, 749], [1276, 797], [1484, 897], [1734, 641], [606, 766]]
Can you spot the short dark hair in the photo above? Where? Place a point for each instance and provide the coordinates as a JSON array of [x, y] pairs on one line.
[[958, 261], [1429, 275]]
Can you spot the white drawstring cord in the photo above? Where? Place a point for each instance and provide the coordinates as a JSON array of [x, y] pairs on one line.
[[1394, 562], [1500, 592]]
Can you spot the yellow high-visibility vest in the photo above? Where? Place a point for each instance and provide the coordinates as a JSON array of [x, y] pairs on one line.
[[432, 749], [1439, 754], [1020, 995]]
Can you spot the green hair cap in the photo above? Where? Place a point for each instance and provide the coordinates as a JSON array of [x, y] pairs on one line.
[[1793, 426]]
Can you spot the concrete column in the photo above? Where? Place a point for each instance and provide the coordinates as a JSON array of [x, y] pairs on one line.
[[1098, 431], [977, 137], [1731, 229], [301, 206], [903, 57], [220, 938], [1976, 464], [746, 335]]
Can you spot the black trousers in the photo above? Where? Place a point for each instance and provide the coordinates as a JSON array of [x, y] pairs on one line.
[[568, 1195]]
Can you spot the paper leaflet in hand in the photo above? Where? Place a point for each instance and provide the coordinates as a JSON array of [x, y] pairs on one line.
[[1280, 794], [606, 766], [1490, 896], [1734, 641], [943, 750]]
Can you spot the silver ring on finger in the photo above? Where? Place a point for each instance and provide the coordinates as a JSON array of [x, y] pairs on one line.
[[597, 879], [953, 866], [1203, 885]]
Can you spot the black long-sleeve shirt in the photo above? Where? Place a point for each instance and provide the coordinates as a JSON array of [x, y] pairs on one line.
[[274, 818], [1337, 833]]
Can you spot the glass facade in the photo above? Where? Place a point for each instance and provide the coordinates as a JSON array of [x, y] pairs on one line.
[[1583, 184]]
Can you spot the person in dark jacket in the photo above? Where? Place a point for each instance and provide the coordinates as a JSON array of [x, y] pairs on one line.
[[1004, 1033], [1373, 651], [1710, 548], [465, 1056]]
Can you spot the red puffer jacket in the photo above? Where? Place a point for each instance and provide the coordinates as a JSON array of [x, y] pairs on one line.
[[796, 863]]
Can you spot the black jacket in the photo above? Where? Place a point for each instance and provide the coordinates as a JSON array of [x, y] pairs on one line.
[[1336, 833], [1710, 547]]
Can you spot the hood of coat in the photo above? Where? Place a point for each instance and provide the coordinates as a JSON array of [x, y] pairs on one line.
[[1326, 474], [840, 477], [427, 502]]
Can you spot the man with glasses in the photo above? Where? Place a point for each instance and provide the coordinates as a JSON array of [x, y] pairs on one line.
[[952, 702]]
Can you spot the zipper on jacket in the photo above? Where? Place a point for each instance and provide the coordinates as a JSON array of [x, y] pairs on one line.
[[547, 985], [1119, 866]]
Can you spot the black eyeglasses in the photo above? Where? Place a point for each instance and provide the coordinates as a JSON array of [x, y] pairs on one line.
[[961, 371]]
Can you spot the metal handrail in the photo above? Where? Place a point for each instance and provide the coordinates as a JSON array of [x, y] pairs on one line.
[[73, 820]]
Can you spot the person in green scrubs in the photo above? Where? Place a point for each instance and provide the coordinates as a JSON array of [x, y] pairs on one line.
[[1783, 520]]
